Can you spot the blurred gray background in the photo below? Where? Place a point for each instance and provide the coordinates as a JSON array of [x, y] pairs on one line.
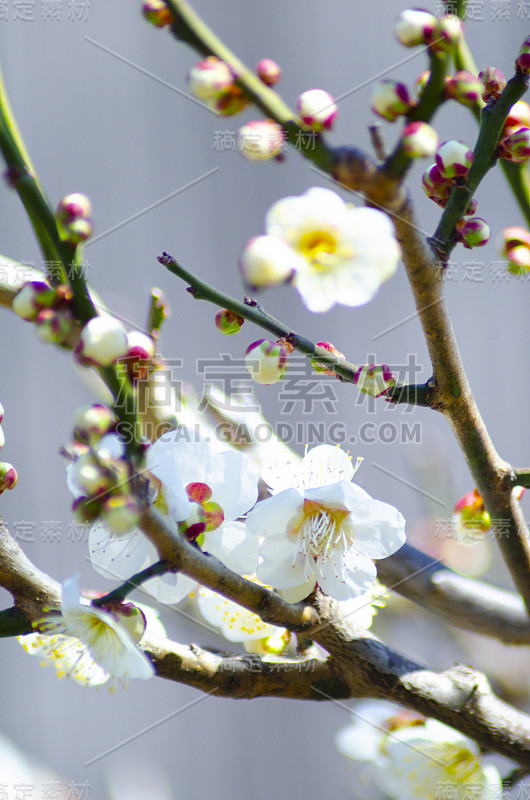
[[100, 96]]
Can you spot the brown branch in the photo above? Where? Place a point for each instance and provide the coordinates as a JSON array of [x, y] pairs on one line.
[[459, 696], [466, 603], [244, 676]]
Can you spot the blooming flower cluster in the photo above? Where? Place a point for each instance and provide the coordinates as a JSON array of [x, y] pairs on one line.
[[331, 252], [405, 756], [89, 644]]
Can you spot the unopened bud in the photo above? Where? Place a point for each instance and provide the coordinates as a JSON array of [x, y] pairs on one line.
[[515, 245], [464, 87], [320, 366], [522, 62], [102, 341], [471, 519], [87, 509], [1, 413], [73, 218], [268, 71], [454, 159], [436, 186], [447, 33], [8, 476], [157, 13], [317, 109], [140, 352], [93, 422], [473, 232], [212, 81], [32, 298], [414, 26], [390, 99], [227, 322], [518, 117], [195, 524], [374, 379], [53, 326], [2, 438], [266, 261], [260, 140], [472, 207], [266, 361], [516, 146], [120, 513], [419, 140], [519, 258], [494, 83]]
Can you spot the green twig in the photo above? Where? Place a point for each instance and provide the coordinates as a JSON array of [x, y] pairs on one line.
[[250, 310], [119, 594], [432, 97], [493, 118]]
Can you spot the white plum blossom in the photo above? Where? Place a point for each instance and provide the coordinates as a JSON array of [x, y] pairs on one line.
[[407, 756], [322, 529], [88, 643], [341, 254], [181, 467]]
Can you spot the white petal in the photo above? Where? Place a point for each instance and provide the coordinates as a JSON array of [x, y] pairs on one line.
[[326, 464], [274, 514], [345, 574], [170, 588], [300, 592], [282, 567], [237, 623], [379, 529], [233, 480], [120, 556], [234, 546]]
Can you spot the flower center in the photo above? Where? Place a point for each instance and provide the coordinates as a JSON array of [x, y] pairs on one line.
[[461, 765], [314, 244], [320, 532]]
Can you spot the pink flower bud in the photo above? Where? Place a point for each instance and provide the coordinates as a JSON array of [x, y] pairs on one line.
[[447, 33], [374, 379], [516, 146], [73, 218], [212, 81], [436, 186], [390, 99], [93, 422], [522, 62], [157, 13], [8, 476], [519, 258], [32, 298], [317, 109], [414, 26], [494, 83], [1, 413], [322, 367], [472, 207], [227, 322], [260, 140], [464, 87], [102, 341], [266, 261], [454, 159], [514, 236], [471, 519], [2, 438], [266, 361], [268, 71], [473, 232], [419, 140], [519, 117], [54, 325]]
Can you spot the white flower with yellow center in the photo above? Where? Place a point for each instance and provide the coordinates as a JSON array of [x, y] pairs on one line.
[[89, 643], [341, 254], [411, 757], [323, 530]]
